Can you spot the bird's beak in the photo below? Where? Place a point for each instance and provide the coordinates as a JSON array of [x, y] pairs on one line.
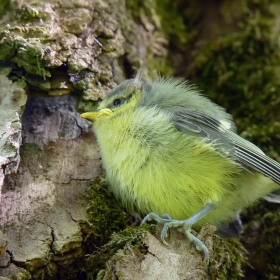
[[92, 116]]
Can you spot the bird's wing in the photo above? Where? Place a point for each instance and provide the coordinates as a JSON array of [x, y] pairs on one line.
[[226, 141]]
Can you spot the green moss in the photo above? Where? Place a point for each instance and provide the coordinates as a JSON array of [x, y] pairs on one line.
[[4, 7], [89, 84], [29, 57], [178, 20], [261, 238], [87, 106], [127, 239], [105, 214], [239, 70], [7, 48], [31, 148], [106, 218], [20, 43], [228, 259], [267, 254], [27, 12]]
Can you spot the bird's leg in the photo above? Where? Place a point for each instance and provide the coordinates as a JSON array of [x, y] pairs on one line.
[[185, 224]]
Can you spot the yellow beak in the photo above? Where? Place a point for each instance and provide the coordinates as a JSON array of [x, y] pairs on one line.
[[92, 116]]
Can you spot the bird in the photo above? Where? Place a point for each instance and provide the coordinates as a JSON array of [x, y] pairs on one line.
[[172, 154]]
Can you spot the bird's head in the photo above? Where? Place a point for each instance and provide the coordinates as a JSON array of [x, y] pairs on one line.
[[124, 97]]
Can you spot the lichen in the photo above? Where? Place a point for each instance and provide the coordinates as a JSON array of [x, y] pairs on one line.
[[44, 36], [146, 48]]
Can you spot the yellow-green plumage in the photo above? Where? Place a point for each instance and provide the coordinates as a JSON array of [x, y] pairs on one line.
[[156, 161], [156, 168]]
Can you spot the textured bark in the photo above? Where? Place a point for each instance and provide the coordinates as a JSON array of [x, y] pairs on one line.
[[44, 184], [178, 260], [44, 204]]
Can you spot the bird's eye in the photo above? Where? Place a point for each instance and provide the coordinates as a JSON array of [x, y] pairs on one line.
[[117, 102]]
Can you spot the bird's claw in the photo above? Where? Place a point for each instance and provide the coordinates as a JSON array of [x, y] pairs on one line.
[[199, 245], [163, 234], [185, 224]]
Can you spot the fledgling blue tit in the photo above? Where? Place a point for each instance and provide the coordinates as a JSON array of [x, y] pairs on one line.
[[168, 149]]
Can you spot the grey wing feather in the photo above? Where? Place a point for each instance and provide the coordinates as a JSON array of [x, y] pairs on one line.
[[273, 196], [229, 144]]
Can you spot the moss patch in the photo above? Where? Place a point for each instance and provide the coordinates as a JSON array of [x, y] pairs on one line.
[[261, 238], [228, 259], [105, 214], [127, 239]]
